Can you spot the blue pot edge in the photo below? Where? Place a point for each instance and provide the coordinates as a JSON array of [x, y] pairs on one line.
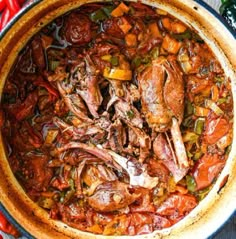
[[217, 15]]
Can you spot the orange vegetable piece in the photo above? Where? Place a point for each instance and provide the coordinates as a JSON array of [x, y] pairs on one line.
[[120, 10], [125, 25], [181, 189], [131, 40], [155, 32], [177, 27], [214, 93], [207, 169], [166, 23], [171, 45], [216, 129], [201, 111]]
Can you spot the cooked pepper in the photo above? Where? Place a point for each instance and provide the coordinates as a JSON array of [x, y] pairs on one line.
[[2, 5], [228, 11], [6, 227]]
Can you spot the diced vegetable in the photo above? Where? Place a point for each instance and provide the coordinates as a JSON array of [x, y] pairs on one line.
[[190, 137], [46, 202], [215, 129], [179, 28], [198, 154], [117, 74], [201, 111], [98, 15], [114, 60], [199, 126], [153, 28], [161, 12], [225, 141], [131, 40], [53, 65], [166, 23], [189, 108], [125, 26], [191, 184], [182, 36], [120, 10], [171, 45], [51, 136], [206, 170], [214, 93], [214, 107]]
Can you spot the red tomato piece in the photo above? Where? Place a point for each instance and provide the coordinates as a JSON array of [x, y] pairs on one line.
[[216, 129], [177, 205], [207, 169]]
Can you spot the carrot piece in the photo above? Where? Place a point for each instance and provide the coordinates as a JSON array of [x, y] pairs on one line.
[[154, 30], [181, 189], [171, 45], [214, 93], [201, 111], [161, 12], [177, 27], [166, 23], [131, 40], [120, 10], [125, 26]]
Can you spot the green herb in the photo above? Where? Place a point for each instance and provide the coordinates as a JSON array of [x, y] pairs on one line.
[[189, 108], [222, 100], [114, 61], [202, 194], [188, 121], [130, 114], [155, 52], [98, 15], [199, 126], [197, 38], [197, 155], [191, 184], [182, 36], [53, 65], [108, 10], [136, 61]]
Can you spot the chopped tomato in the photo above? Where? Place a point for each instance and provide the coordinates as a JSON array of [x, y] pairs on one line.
[[160, 222], [177, 205], [144, 202], [141, 223], [207, 169], [118, 226], [171, 45], [216, 128], [26, 108]]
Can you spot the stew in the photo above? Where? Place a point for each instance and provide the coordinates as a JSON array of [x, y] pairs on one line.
[[117, 118]]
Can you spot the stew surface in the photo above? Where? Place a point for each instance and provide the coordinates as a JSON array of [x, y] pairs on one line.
[[117, 119]]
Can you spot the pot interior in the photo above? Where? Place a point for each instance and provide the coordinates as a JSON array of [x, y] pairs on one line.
[[219, 203]]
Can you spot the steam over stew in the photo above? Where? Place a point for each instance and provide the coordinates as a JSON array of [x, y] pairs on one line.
[[117, 119]]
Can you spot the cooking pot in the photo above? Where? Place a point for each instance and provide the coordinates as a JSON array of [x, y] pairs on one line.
[[219, 204]]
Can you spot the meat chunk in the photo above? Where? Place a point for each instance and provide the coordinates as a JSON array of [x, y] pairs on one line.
[[111, 196]]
